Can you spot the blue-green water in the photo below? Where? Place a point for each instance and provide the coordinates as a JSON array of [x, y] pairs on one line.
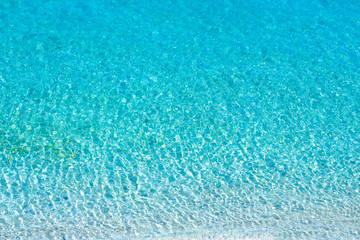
[[162, 118]]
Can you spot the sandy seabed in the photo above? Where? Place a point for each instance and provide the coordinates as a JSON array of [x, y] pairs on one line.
[[214, 236]]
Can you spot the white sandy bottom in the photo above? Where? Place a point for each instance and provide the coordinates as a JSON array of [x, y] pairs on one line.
[[214, 236]]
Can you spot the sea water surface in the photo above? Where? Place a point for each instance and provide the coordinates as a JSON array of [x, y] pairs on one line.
[[180, 119]]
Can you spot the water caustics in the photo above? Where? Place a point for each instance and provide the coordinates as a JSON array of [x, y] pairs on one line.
[[176, 119]]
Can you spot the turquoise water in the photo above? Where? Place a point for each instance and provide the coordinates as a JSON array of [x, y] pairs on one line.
[[123, 119]]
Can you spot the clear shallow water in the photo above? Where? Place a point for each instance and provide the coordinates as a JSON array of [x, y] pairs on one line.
[[128, 118]]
